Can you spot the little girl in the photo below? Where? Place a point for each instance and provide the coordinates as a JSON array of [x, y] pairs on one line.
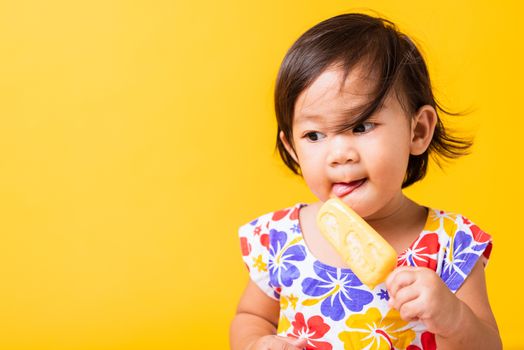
[[357, 120]]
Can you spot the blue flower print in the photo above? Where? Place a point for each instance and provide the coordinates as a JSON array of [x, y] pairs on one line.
[[295, 228], [460, 255], [282, 254], [336, 289], [383, 294]]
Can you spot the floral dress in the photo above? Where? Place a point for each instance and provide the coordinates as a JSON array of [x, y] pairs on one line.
[[329, 306]]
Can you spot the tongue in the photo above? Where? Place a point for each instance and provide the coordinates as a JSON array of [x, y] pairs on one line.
[[342, 188]]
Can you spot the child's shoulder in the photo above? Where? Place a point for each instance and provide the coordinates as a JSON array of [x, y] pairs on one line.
[[274, 219], [451, 244], [262, 238], [453, 224]]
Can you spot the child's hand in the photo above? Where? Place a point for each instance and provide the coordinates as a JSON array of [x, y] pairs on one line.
[[419, 294], [274, 342]]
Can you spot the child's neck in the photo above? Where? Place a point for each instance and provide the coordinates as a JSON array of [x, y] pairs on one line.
[[400, 226], [403, 210]]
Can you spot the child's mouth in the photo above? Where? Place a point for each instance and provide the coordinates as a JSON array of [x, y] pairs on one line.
[[341, 189]]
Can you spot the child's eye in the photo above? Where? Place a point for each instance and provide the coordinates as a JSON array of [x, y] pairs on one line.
[[363, 127], [314, 136]]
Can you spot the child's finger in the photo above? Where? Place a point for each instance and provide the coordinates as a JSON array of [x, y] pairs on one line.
[[400, 278], [398, 270], [410, 311], [299, 343], [402, 296]]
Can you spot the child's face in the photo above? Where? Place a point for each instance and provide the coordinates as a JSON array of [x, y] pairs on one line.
[[364, 166]]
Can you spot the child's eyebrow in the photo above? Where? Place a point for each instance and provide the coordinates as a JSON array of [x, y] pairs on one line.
[[343, 120], [346, 117], [308, 117]]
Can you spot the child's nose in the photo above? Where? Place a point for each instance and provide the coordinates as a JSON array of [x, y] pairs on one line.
[[342, 151]]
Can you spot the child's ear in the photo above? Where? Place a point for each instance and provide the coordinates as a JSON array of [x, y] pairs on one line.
[[422, 128], [288, 146]]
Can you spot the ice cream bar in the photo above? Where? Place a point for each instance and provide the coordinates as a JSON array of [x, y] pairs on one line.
[[364, 250]]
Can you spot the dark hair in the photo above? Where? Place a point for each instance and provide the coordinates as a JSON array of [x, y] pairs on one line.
[[352, 39]]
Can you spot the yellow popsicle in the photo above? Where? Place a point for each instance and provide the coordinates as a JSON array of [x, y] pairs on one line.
[[369, 255]]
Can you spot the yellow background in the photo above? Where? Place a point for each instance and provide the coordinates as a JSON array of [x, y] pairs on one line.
[[136, 136]]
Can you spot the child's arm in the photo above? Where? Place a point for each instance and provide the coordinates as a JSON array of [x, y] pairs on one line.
[[255, 323], [460, 321]]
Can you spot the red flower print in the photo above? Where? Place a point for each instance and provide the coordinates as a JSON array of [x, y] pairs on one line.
[[257, 230], [487, 251], [245, 246], [422, 253], [278, 215], [294, 214], [264, 240], [428, 342], [313, 331], [479, 235], [482, 237]]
